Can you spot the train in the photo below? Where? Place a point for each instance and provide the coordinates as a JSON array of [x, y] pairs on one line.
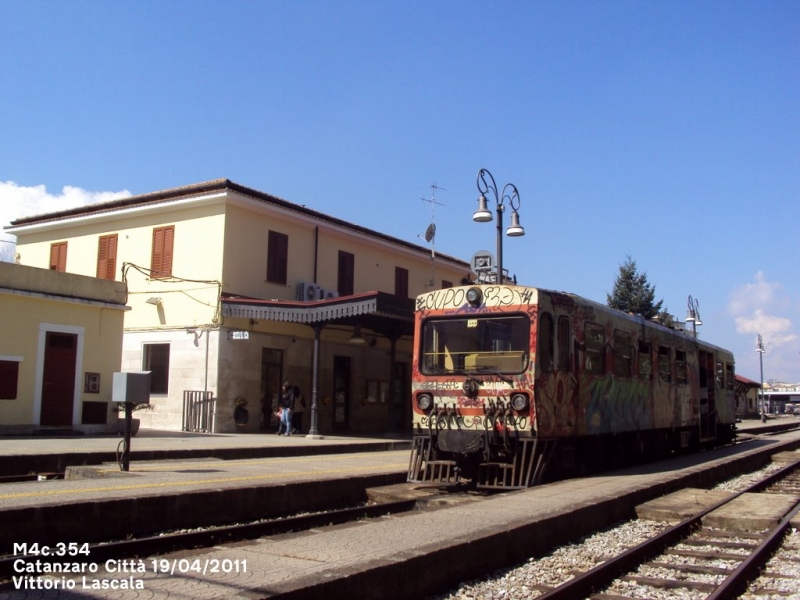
[[513, 386]]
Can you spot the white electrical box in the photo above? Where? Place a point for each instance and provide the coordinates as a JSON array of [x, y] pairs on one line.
[[131, 387]]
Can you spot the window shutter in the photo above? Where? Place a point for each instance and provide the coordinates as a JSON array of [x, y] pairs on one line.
[[107, 257], [161, 259], [58, 257], [277, 257]]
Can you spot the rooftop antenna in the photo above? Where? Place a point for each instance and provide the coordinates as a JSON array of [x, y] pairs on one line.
[[430, 232]]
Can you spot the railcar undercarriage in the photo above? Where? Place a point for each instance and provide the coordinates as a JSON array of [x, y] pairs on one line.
[[480, 459], [488, 460]]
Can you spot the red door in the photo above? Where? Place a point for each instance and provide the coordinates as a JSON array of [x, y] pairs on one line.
[[58, 382]]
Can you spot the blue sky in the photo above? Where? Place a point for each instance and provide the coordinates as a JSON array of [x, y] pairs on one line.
[[664, 130]]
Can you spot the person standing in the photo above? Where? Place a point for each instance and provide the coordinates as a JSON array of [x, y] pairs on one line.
[[287, 405], [297, 412]]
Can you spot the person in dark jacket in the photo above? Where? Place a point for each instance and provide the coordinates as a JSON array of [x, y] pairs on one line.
[[287, 405]]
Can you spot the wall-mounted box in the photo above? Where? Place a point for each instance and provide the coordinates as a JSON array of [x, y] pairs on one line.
[[131, 387]]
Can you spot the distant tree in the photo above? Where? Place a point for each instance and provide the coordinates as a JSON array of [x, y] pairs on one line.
[[633, 293]]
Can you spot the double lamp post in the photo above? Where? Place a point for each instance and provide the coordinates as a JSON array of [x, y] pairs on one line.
[[510, 194]]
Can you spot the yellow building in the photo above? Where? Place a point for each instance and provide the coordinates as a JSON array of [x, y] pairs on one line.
[[60, 344], [233, 291]]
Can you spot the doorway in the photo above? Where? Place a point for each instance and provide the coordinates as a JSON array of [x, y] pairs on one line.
[[58, 379], [271, 370], [341, 392]]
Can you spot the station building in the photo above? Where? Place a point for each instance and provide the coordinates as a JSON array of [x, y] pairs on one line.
[[233, 291]]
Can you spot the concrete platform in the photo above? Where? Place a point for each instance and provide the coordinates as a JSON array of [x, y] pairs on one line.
[[751, 513], [786, 458], [43, 454], [680, 505]]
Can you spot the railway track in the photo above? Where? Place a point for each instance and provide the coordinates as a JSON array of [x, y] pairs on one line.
[[687, 556], [169, 542]]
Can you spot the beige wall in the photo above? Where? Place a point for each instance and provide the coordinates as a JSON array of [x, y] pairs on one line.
[[246, 233], [29, 308]]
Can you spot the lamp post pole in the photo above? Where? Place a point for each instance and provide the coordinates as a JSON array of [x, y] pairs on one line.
[[760, 350], [486, 184]]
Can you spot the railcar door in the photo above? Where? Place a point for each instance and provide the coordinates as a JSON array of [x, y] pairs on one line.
[[707, 396]]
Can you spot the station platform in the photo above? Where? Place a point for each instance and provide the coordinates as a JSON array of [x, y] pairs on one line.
[[20, 455], [403, 556]]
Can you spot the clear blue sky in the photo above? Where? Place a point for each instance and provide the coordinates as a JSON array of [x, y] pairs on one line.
[[664, 130]]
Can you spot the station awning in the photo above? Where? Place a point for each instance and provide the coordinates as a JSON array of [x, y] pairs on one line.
[[382, 312]]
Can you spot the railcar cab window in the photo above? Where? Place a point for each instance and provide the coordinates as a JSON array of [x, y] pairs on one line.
[[545, 347], [595, 348], [484, 344]]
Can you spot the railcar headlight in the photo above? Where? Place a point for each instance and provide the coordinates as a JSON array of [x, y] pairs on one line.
[[474, 296], [519, 402], [425, 402]]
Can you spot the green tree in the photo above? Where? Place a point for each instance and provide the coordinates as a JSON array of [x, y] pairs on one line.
[[633, 293]]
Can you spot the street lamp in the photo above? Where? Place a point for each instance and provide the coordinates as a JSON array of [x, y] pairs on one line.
[[760, 350], [693, 315], [484, 215]]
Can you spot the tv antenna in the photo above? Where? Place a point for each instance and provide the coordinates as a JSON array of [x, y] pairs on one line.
[[430, 232]]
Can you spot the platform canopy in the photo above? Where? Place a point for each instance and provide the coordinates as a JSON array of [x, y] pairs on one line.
[[381, 312]]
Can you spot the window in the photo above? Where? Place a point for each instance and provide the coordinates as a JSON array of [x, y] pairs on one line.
[[681, 376], [401, 282], [720, 376], [622, 354], [564, 340], [277, 257], [595, 348], [664, 370], [346, 273], [9, 377], [58, 257], [545, 348], [645, 362], [485, 344], [156, 360], [107, 257], [161, 258], [729, 376]]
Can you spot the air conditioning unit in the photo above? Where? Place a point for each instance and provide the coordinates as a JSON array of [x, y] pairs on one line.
[[308, 292], [329, 294]]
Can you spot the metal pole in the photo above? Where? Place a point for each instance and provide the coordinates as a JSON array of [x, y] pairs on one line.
[[499, 279], [313, 431]]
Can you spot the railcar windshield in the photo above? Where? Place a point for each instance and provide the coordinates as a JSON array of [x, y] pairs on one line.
[[486, 344]]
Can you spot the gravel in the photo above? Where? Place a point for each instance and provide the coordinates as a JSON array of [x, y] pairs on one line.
[[532, 578]]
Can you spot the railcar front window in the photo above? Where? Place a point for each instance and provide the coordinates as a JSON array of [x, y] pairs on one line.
[[475, 345]]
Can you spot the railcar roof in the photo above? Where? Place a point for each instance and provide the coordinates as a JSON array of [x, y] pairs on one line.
[[638, 319]]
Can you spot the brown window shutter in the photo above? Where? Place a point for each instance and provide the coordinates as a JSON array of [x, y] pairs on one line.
[[169, 239], [58, 257], [346, 278], [277, 257], [161, 260], [9, 375], [107, 257]]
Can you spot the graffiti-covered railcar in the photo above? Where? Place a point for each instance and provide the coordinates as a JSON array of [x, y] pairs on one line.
[[513, 384]]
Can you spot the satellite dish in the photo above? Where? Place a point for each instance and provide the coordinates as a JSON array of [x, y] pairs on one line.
[[430, 232]]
